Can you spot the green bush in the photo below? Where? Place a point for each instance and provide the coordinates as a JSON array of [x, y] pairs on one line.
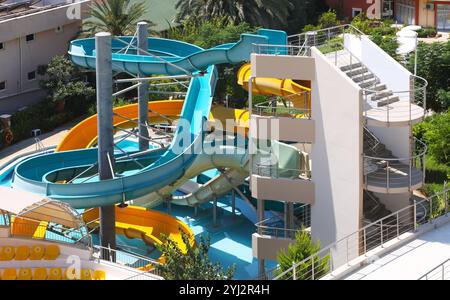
[[427, 32], [296, 252]]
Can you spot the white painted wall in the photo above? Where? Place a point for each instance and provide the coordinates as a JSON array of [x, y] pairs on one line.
[[20, 57], [390, 72], [336, 154], [396, 139]]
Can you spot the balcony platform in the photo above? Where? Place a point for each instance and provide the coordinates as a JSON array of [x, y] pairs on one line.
[[398, 115], [399, 180]]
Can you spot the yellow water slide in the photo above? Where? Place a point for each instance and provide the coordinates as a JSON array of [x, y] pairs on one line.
[[148, 225], [84, 134], [295, 91]]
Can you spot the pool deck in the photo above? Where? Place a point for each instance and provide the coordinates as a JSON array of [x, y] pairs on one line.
[[411, 261]]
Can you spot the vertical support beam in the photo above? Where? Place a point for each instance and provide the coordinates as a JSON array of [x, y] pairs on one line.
[[233, 202], [215, 211], [142, 34], [196, 210], [169, 205], [291, 215], [260, 213], [105, 131], [286, 218]]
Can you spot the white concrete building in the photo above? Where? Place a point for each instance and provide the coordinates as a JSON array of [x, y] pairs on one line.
[[31, 33], [364, 161]]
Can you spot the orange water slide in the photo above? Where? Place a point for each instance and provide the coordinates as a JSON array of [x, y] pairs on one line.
[[84, 134]]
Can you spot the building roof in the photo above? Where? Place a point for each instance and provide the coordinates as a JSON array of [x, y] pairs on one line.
[[15, 8]]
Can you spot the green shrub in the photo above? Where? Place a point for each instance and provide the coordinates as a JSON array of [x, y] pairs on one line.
[[296, 252], [427, 32]]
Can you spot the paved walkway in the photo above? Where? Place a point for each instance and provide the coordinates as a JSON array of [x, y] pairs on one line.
[[411, 261], [48, 139]]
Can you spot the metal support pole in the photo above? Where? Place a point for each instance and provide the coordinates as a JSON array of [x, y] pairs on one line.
[[260, 209], [196, 211], [169, 206], [286, 218], [233, 202], [142, 34], [291, 215], [215, 211], [105, 132]]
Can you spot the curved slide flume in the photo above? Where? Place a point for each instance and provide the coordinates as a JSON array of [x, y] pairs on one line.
[[84, 133], [278, 87], [34, 174]]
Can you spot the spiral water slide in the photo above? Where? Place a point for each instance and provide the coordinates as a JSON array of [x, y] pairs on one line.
[[158, 168]]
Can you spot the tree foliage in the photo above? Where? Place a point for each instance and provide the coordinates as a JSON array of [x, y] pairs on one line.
[[210, 33], [433, 64], [435, 132], [266, 13], [302, 248], [63, 81], [192, 265], [119, 17]]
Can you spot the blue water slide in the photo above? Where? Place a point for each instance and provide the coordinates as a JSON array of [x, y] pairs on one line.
[[166, 56], [40, 174]]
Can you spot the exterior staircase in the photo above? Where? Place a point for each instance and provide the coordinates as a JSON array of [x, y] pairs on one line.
[[373, 208], [376, 91]]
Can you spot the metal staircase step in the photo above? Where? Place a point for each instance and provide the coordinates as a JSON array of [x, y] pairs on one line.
[[381, 94], [367, 84], [357, 71], [363, 77], [350, 67], [387, 100]]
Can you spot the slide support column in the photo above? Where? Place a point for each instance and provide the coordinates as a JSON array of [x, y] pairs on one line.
[[215, 212], [142, 38], [105, 135], [233, 202]]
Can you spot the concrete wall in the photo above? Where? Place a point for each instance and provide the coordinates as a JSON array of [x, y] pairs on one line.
[[267, 247], [336, 154], [282, 189], [426, 16], [20, 57], [272, 66]]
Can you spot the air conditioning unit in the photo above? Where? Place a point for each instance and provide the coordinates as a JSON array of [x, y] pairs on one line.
[[429, 6]]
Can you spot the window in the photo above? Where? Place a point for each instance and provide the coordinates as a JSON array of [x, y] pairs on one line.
[[2, 46], [30, 37], [356, 11], [31, 75], [2, 85]]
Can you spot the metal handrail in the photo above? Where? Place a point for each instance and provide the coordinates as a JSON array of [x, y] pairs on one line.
[[368, 242], [423, 151], [275, 170], [345, 26], [440, 266]]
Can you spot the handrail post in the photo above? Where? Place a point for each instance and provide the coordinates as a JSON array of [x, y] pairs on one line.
[[398, 225], [381, 233], [364, 240], [415, 216], [346, 242], [312, 269], [387, 175], [445, 198], [294, 276]]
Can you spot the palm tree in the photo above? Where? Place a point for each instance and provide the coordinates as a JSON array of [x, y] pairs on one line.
[[119, 17], [266, 13]]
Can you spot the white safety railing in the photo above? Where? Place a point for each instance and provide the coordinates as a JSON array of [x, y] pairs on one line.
[[127, 259], [296, 105], [371, 236], [403, 105], [440, 272], [274, 226], [393, 172]]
